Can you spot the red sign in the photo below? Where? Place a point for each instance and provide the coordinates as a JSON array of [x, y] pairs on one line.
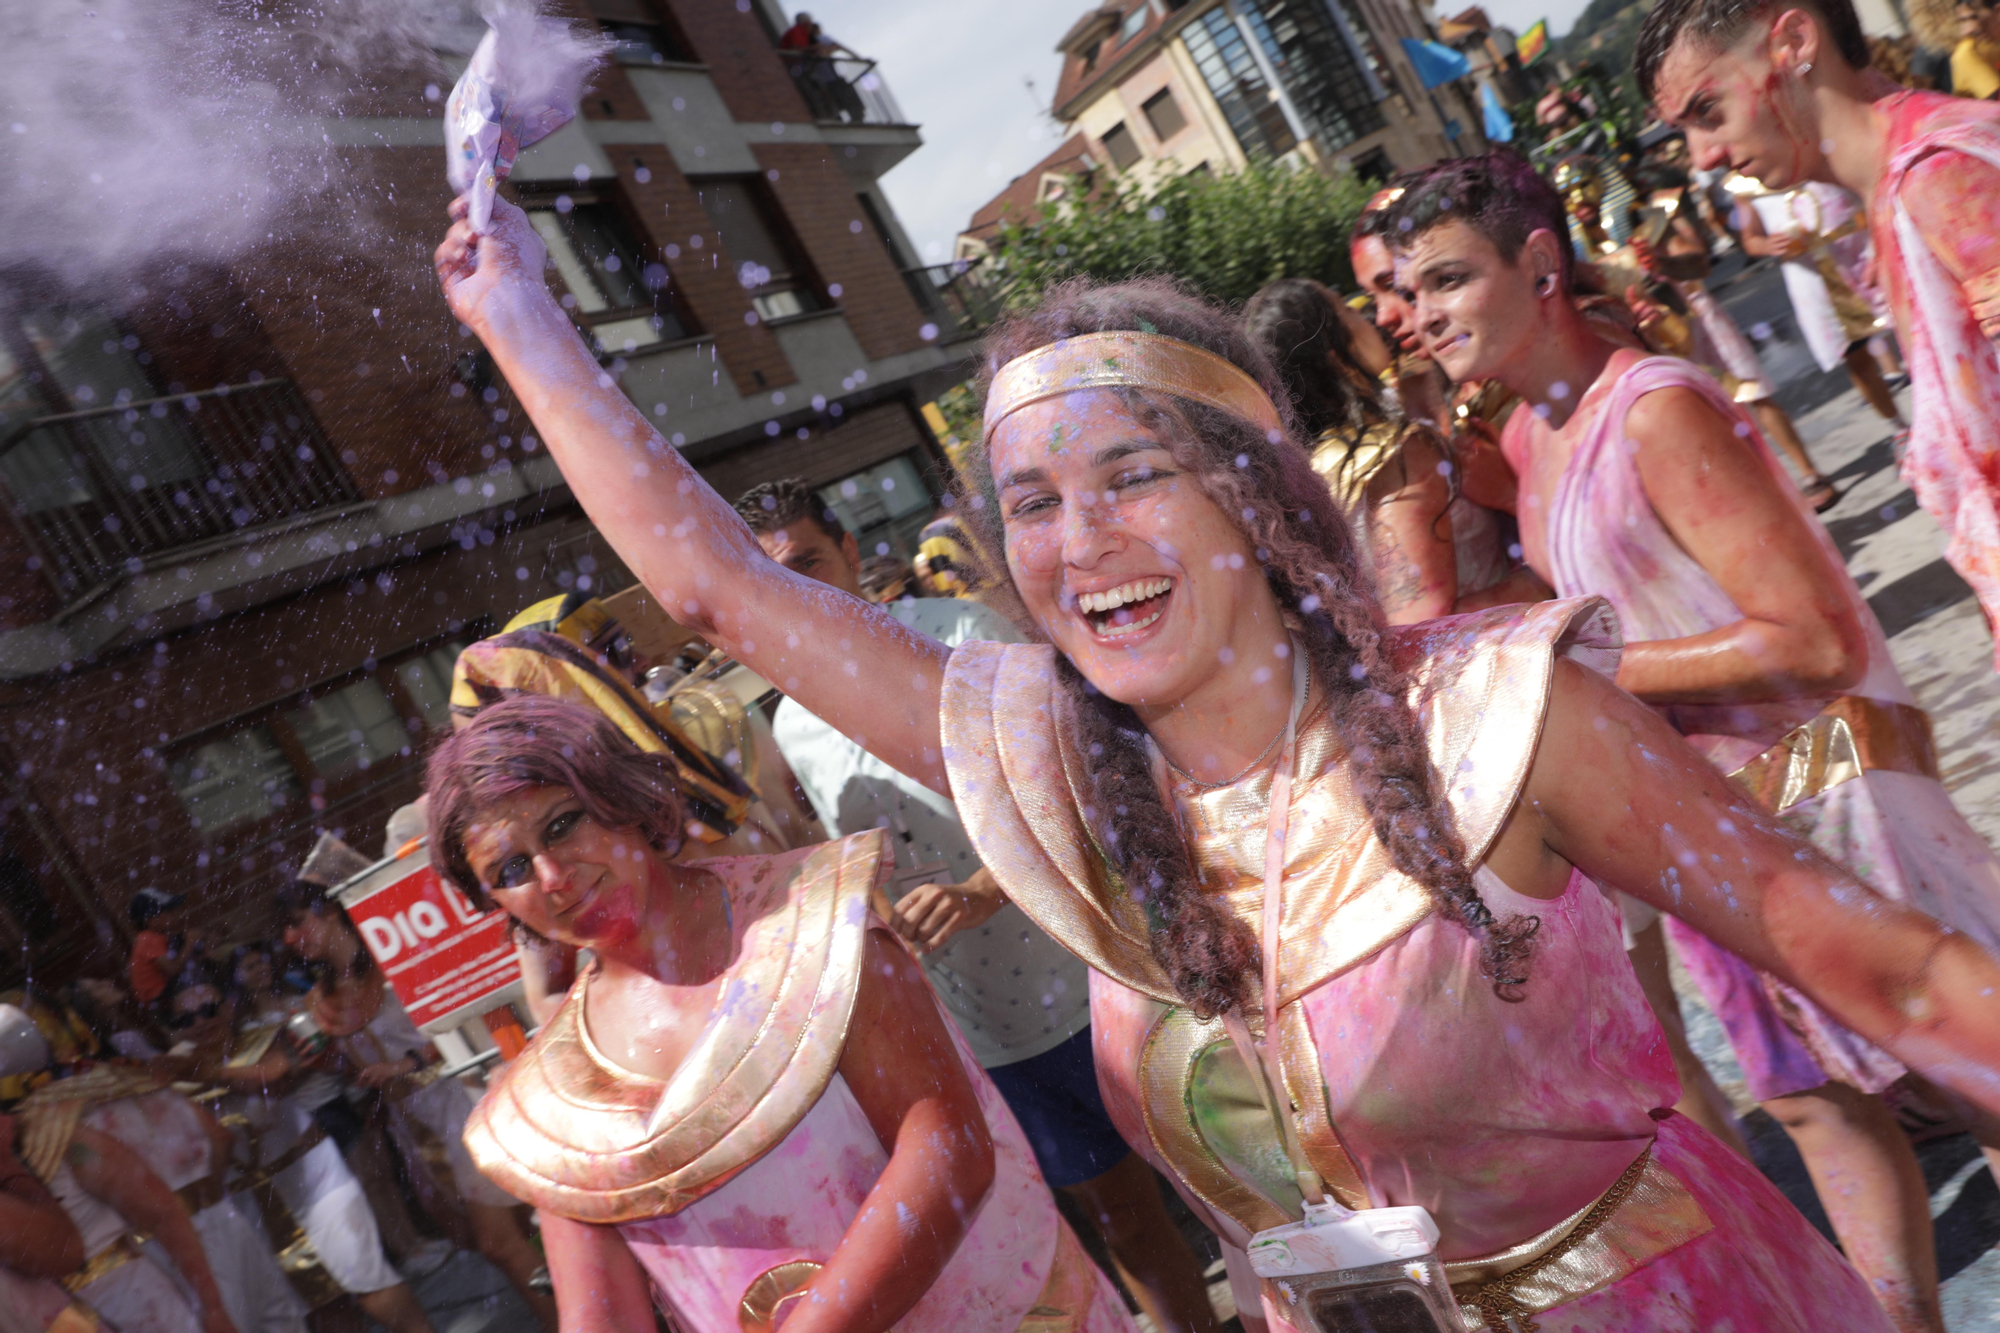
[[440, 954]]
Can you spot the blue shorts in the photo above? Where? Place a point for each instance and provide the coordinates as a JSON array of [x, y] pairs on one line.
[[1054, 1096]]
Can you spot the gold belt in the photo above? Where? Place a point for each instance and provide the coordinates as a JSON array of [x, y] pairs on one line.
[[115, 1255], [1061, 1307], [1851, 736], [1646, 1212]]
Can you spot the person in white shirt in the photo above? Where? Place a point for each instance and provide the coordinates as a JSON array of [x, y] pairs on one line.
[[1021, 1000]]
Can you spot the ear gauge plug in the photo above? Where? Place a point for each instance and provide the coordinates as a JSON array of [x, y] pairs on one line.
[[1546, 284]]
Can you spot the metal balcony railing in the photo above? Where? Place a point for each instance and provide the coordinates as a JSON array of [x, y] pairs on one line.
[[957, 297], [102, 491], [848, 91]]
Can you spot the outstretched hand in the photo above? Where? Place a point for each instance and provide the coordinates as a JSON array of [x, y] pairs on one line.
[[473, 265]]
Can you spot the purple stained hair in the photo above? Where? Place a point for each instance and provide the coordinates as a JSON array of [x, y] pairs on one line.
[[531, 741]]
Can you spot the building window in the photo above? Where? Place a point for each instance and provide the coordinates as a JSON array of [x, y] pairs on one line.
[[768, 263], [1248, 103], [619, 297], [1134, 24], [1163, 113], [1120, 146], [641, 37], [885, 507], [1319, 67], [348, 730], [237, 777], [426, 682], [266, 763]]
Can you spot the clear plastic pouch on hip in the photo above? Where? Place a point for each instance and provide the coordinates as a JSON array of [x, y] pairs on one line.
[[1342, 1271]]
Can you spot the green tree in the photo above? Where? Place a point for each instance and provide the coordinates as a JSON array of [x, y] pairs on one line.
[[1225, 236]]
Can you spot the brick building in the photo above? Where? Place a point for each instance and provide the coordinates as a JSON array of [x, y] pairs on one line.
[[252, 509]]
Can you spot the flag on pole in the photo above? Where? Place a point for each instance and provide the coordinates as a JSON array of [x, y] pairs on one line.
[[1528, 47], [1436, 63], [1499, 125]]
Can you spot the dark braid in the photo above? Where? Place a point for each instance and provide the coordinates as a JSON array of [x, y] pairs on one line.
[[1310, 559]]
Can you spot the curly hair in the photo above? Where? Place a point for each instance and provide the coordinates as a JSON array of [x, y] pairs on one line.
[[1311, 563], [533, 740], [1717, 25]]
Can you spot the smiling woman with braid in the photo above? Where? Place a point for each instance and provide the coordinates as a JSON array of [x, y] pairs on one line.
[[1420, 966]]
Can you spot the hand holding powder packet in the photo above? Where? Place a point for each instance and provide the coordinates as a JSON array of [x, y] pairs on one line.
[[523, 84]]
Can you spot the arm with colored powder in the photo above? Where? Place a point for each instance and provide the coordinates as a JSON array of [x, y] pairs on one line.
[[1629, 803], [905, 1073], [1800, 634], [686, 544]]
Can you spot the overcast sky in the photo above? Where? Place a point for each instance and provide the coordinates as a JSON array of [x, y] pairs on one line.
[[959, 68]]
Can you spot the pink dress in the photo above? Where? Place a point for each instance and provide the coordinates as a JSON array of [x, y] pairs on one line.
[[1899, 832], [1410, 1081], [1953, 461], [734, 1181]]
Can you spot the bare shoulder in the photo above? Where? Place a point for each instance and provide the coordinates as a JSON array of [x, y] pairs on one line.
[[1674, 415]]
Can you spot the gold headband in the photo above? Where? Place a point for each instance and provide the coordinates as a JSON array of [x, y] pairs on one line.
[[1127, 360]]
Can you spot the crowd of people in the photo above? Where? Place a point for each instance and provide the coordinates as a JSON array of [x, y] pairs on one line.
[[1284, 770]]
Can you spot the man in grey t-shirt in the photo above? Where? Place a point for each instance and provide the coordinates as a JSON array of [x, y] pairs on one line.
[[1021, 999]]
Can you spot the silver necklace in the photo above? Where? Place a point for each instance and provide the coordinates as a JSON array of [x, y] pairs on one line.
[[1254, 765]]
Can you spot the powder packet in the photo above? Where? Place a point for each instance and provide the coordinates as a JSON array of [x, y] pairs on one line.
[[523, 84]]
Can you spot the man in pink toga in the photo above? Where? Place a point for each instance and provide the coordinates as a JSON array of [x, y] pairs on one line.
[[1784, 93], [1642, 482]]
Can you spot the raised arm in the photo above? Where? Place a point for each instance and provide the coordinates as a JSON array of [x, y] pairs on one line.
[[1617, 793], [1800, 633], [850, 663]]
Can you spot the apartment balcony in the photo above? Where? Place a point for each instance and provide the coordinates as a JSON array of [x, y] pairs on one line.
[[854, 108], [104, 492]]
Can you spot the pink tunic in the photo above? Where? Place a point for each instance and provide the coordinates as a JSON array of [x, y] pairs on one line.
[[1504, 1119], [743, 1172], [798, 1200], [1953, 461], [1898, 832]]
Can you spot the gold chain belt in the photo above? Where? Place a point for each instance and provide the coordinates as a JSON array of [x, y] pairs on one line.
[[1851, 736], [113, 1256], [1646, 1213]]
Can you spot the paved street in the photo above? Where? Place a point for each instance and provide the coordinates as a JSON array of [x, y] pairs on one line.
[[1940, 642]]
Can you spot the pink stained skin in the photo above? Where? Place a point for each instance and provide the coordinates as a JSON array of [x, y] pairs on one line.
[[662, 936], [1486, 318], [1750, 885]]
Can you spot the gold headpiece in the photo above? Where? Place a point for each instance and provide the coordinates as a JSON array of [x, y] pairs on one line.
[[1127, 360], [1383, 199]]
